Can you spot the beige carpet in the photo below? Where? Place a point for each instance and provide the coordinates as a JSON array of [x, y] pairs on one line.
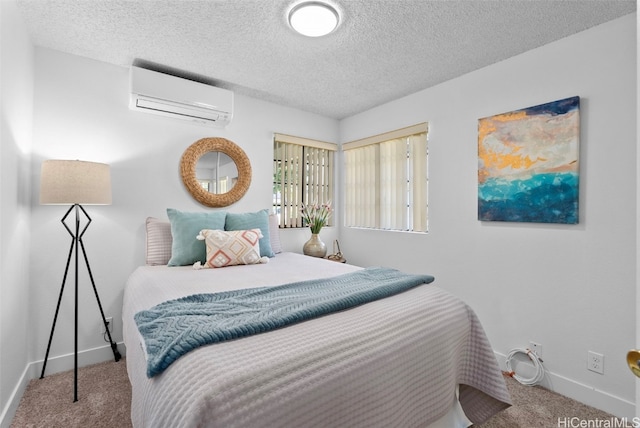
[[534, 406], [104, 399], [104, 396]]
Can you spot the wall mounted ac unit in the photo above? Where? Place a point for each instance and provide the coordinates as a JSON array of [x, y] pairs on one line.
[[159, 93]]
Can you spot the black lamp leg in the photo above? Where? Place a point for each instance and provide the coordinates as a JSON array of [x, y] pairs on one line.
[[75, 321], [114, 346], [55, 317], [75, 239]]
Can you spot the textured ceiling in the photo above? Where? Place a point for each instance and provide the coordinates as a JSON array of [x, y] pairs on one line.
[[382, 50]]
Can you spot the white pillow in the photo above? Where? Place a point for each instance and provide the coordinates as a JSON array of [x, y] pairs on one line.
[[158, 242], [232, 247]]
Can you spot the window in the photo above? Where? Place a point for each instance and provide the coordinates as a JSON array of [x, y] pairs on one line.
[[302, 174], [386, 180]]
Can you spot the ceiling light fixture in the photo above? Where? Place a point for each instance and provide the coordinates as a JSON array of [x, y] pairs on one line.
[[314, 18]]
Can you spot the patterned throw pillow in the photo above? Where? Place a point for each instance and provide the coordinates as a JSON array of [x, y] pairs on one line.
[[230, 248]]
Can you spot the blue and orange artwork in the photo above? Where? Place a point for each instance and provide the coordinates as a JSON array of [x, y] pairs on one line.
[[528, 164]]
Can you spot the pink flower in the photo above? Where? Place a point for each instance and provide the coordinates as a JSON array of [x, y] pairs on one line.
[[316, 215]]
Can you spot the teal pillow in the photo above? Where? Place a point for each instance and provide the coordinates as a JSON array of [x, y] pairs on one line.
[[257, 220], [185, 226]]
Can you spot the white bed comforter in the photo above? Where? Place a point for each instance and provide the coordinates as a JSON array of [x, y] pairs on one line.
[[395, 362]]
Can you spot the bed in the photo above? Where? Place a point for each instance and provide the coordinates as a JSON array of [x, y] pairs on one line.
[[419, 358]]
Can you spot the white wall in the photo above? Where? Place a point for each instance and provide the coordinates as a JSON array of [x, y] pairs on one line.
[[81, 112], [569, 288], [16, 83]]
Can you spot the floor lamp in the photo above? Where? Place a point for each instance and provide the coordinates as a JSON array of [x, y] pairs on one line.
[[76, 182]]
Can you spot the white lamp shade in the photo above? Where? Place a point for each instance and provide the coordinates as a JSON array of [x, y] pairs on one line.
[[66, 182]]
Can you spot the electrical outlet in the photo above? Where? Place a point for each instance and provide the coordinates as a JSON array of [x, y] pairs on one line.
[[595, 362], [109, 323], [536, 348]]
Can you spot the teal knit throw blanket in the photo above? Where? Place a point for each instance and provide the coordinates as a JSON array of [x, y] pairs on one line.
[[175, 327]]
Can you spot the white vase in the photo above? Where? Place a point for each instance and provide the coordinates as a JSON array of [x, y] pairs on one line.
[[314, 246]]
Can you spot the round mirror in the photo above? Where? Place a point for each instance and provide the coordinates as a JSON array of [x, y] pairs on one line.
[[215, 171]]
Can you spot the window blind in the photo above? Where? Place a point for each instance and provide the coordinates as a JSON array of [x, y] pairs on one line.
[[303, 173], [386, 180]]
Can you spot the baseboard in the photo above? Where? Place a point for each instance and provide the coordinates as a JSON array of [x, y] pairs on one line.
[[57, 364], [87, 357], [586, 394], [14, 399]]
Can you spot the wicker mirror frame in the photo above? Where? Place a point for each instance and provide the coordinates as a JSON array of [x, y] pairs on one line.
[[189, 161]]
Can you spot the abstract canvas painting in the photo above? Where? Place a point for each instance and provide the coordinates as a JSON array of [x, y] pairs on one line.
[[528, 164]]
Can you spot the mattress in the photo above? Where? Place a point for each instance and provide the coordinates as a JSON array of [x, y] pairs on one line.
[[402, 361]]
